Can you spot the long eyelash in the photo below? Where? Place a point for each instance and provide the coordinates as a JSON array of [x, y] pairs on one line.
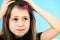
[[25, 18], [15, 19]]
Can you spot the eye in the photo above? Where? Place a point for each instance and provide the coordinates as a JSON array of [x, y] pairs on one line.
[[15, 19], [25, 18]]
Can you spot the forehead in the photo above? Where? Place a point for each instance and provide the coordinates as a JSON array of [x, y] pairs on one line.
[[17, 11]]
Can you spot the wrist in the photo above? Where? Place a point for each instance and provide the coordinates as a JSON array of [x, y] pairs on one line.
[[57, 31], [33, 5], [1, 14]]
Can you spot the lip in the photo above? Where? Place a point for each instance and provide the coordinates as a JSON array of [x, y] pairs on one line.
[[20, 29]]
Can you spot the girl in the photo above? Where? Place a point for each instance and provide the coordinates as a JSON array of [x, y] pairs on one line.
[[19, 22]]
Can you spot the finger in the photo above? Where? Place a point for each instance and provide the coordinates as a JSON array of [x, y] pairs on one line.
[[10, 2], [6, 0], [7, 3], [4, 6]]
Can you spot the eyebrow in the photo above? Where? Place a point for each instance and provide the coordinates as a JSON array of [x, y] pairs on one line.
[[25, 16], [22, 16], [14, 16]]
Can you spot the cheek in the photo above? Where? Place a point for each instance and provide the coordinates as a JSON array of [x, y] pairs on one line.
[[27, 25], [12, 26]]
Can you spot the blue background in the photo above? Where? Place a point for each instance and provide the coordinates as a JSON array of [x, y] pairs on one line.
[[51, 6]]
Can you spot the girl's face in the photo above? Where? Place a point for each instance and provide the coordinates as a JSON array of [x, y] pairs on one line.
[[19, 22]]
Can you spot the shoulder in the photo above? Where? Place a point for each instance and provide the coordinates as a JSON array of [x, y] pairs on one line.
[[1, 37], [39, 35]]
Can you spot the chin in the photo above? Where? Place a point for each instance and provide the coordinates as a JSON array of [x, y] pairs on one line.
[[20, 35]]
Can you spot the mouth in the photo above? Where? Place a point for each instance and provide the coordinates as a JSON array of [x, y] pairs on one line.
[[20, 29]]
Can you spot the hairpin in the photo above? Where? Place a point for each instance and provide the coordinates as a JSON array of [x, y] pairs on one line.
[[25, 7]]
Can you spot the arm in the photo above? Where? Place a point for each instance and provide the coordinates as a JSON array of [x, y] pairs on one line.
[[0, 14], [2, 10], [55, 24]]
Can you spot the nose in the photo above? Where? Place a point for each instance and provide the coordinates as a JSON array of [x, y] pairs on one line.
[[20, 23]]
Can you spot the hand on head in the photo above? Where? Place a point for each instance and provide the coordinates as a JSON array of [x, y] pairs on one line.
[[4, 6], [29, 1]]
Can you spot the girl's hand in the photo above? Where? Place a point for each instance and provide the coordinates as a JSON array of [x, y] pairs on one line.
[[6, 0], [29, 1], [4, 7]]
